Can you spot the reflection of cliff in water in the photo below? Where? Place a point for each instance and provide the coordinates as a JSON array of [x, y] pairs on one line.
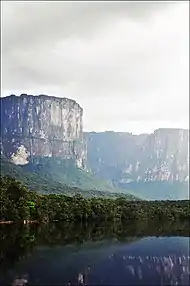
[[18, 241], [113, 264], [115, 254], [139, 270]]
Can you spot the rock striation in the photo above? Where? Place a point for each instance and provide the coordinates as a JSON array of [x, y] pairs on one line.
[[41, 126], [124, 157]]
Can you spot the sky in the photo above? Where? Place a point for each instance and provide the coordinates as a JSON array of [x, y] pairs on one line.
[[125, 63]]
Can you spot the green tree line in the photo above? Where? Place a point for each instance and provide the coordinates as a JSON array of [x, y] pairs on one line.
[[17, 203]]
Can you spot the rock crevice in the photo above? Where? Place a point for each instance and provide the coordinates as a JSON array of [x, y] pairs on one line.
[[42, 126], [124, 157]]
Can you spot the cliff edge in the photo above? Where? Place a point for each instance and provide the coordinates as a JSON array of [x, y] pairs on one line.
[[41, 126], [123, 157]]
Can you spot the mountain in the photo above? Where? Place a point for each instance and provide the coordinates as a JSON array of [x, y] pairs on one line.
[[43, 137], [41, 126], [42, 145], [124, 157], [142, 163]]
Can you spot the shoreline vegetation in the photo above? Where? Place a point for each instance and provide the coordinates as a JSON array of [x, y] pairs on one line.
[[22, 239], [11, 221], [18, 204]]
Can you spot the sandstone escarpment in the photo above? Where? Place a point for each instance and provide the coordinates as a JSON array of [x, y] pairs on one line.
[[124, 157], [41, 126]]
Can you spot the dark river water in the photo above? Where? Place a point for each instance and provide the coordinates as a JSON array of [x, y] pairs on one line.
[[94, 255]]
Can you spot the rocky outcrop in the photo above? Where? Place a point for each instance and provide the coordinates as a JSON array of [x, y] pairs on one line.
[[41, 126], [125, 158], [45, 126]]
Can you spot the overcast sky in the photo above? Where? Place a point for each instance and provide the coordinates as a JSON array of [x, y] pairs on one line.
[[125, 63]]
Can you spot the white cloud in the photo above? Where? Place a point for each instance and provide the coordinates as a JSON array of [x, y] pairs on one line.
[[127, 64]]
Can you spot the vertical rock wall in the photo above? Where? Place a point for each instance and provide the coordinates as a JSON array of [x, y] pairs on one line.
[[41, 125], [124, 157]]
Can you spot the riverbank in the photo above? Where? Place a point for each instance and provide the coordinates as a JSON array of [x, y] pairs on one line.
[[24, 222]]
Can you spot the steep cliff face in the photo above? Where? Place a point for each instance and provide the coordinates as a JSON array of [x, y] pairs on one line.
[[41, 126], [167, 152], [125, 158]]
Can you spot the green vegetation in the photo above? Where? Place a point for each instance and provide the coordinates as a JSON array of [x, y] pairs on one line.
[[17, 241], [18, 203], [50, 175]]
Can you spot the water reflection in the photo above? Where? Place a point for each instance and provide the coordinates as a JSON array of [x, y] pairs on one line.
[[19, 281], [137, 270], [94, 255]]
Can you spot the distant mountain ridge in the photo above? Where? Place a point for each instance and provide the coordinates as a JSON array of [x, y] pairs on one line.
[[125, 158], [39, 132], [152, 166]]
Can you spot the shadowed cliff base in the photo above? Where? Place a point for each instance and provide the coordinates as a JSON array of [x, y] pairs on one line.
[[56, 176]]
